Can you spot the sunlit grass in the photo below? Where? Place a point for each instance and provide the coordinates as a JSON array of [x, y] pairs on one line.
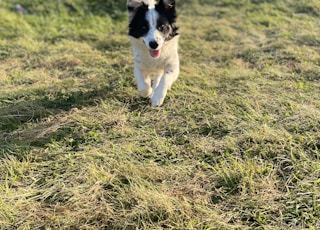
[[234, 146]]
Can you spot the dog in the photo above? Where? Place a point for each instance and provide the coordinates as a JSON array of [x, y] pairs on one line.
[[154, 38]]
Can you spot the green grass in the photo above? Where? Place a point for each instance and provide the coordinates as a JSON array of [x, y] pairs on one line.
[[236, 144]]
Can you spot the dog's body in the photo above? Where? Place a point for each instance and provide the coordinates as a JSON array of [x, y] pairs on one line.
[[154, 38]]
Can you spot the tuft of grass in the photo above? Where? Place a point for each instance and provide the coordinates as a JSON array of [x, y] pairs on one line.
[[235, 145]]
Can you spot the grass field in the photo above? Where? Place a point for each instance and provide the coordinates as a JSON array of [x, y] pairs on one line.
[[236, 144]]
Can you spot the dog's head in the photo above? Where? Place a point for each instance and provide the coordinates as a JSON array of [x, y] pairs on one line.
[[152, 22]]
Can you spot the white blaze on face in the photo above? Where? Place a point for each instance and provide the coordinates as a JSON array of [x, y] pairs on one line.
[[153, 34], [151, 4]]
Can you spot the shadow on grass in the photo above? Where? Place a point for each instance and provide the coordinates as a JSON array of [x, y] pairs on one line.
[[15, 118], [17, 114]]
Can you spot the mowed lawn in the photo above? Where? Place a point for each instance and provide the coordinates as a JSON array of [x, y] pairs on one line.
[[236, 144]]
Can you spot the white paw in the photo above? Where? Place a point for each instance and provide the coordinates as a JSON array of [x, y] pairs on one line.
[[156, 101], [157, 98], [146, 92]]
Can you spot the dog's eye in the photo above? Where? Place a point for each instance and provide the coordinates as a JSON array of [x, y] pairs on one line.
[[162, 27], [144, 27]]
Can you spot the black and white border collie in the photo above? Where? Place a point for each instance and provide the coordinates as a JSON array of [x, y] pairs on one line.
[[154, 38]]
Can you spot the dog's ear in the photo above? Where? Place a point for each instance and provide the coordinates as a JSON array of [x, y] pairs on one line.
[[166, 5], [132, 7], [133, 4], [167, 8]]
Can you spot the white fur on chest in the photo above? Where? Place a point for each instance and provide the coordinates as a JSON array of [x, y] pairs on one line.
[[165, 69], [168, 57]]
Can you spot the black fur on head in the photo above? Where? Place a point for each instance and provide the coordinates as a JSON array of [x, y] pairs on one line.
[[166, 24], [138, 26], [167, 8], [167, 17]]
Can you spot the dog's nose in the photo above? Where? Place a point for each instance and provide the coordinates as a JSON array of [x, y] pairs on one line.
[[153, 45]]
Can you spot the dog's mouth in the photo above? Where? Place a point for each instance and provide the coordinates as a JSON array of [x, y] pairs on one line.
[[154, 53]]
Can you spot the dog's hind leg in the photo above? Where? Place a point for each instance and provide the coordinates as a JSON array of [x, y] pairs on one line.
[[143, 82]]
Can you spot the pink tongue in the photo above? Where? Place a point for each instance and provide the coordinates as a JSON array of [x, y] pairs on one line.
[[154, 53]]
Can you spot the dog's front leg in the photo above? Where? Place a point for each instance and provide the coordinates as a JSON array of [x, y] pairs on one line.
[[167, 79], [156, 81], [143, 82]]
